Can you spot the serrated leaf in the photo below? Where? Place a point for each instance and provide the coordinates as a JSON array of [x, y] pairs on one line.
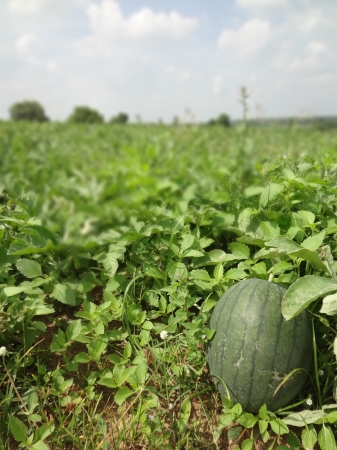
[[200, 275], [314, 242], [74, 329], [293, 440], [187, 242], [208, 305], [326, 438], [110, 263], [269, 193], [29, 268], [303, 292], [312, 257], [309, 437], [219, 197], [278, 426], [122, 394], [241, 251], [235, 274], [234, 433], [18, 429], [284, 243], [64, 294], [303, 418], [218, 272], [247, 444]]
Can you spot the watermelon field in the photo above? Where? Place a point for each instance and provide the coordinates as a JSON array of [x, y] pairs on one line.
[[116, 243]]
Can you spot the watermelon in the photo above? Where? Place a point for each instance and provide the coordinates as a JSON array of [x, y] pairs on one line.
[[254, 348]]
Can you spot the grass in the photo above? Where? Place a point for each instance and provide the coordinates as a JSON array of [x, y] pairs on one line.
[[115, 244]]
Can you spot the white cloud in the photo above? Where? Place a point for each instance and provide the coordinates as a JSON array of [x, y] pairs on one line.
[[248, 39], [36, 6], [217, 84], [262, 5], [107, 20], [185, 75], [316, 57], [29, 46]]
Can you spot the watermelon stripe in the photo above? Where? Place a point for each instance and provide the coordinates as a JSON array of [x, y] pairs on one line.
[[253, 347]]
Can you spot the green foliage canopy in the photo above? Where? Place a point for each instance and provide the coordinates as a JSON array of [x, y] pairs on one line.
[[29, 110], [84, 114]]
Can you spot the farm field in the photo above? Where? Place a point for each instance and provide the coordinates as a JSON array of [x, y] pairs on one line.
[[116, 242]]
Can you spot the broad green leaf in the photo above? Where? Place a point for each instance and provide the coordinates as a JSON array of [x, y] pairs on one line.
[[312, 257], [18, 429], [329, 305], [241, 251], [187, 242], [247, 444], [247, 420], [303, 292], [44, 431], [293, 441], [127, 350], [200, 275], [208, 305], [284, 243], [235, 274], [219, 197], [39, 445], [74, 329], [253, 190], [110, 263], [81, 358], [309, 437], [122, 394], [278, 426], [218, 272], [326, 438], [303, 418], [64, 294], [29, 268], [263, 413], [281, 267], [269, 193], [234, 433], [313, 242]]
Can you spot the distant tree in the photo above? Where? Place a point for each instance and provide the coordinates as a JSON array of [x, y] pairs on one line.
[[27, 110], [84, 114], [120, 118], [223, 120]]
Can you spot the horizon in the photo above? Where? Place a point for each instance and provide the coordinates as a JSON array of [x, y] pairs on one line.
[[160, 59]]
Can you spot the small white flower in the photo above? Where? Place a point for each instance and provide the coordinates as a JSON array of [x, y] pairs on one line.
[[164, 334], [170, 406], [284, 156], [308, 401], [3, 351], [203, 336], [151, 416], [321, 372]]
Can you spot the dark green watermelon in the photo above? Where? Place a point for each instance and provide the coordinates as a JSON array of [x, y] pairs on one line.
[[254, 348]]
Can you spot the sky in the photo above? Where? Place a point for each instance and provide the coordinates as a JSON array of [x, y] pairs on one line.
[[157, 59]]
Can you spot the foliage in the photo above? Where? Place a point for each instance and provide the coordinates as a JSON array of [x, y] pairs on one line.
[[223, 120], [84, 114], [120, 118], [27, 110], [115, 245]]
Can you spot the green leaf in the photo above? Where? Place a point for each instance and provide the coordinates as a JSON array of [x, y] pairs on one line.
[[28, 268], [284, 243], [110, 263], [208, 305], [313, 242], [247, 420], [329, 305], [303, 292], [74, 329], [81, 358], [44, 431], [234, 433], [241, 251], [200, 275], [263, 413], [122, 394], [18, 429], [64, 294], [218, 272], [247, 444], [326, 439], [278, 426], [127, 350], [187, 242], [219, 197], [303, 418], [309, 437], [293, 440], [235, 274], [269, 193], [312, 257]]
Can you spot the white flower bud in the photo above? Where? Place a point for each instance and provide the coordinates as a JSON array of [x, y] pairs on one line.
[[3, 351], [164, 334]]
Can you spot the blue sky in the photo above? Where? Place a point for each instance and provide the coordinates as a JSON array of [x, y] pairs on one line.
[[161, 58]]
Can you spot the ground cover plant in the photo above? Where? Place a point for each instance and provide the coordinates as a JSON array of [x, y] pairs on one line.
[[116, 244]]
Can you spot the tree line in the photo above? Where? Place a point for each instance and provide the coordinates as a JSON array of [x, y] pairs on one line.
[[33, 111]]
